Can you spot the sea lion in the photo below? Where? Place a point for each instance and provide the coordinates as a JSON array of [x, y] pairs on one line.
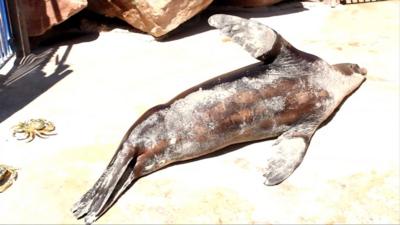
[[287, 95]]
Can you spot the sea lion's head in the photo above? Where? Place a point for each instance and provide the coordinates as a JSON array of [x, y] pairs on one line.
[[349, 69], [351, 76]]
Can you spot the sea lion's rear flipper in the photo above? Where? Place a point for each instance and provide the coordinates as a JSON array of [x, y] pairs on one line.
[[93, 204], [287, 153], [261, 41]]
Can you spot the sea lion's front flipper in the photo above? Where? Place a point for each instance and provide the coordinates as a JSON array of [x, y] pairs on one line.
[[261, 41], [288, 152]]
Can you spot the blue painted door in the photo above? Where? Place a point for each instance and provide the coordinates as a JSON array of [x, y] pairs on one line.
[[6, 50]]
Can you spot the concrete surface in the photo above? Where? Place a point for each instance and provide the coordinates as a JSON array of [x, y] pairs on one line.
[[350, 173]]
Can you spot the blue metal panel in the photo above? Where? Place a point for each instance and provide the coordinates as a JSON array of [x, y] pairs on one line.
[[6, 50]]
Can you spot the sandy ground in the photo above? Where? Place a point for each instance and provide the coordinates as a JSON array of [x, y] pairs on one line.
[[93, 91]]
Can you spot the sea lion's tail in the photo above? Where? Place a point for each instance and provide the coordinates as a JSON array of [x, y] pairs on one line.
[[108, 187]]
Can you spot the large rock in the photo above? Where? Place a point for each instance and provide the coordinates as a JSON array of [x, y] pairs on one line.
[[250, 3], [41, 15], [156, 17]]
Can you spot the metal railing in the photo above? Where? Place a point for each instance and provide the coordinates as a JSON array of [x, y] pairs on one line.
[[6, 49]]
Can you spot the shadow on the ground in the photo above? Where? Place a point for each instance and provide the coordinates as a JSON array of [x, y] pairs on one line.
[[199, 24], [27, 80], [85, 24]]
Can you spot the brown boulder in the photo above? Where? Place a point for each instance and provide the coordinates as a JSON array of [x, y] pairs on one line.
[[154, 17], [41, 15], [250, 3]]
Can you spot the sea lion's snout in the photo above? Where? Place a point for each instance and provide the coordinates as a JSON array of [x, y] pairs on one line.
[[363, 71], [357, 69]]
